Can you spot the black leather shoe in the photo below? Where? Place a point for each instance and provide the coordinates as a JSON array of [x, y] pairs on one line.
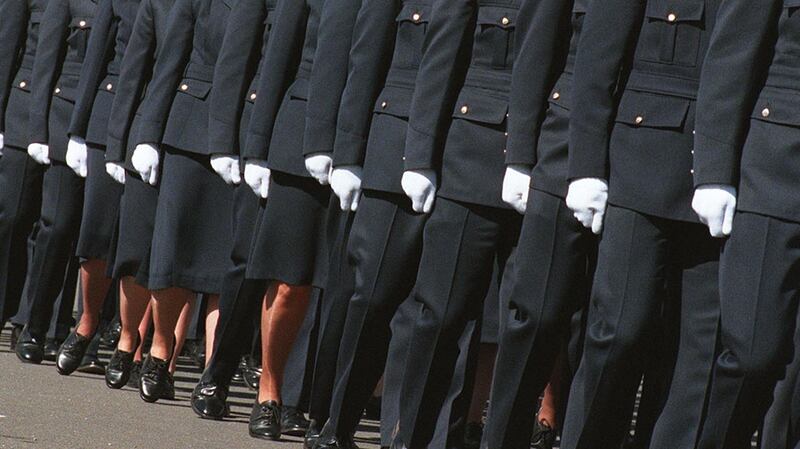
[[92, 365], [51, 347], [155, 381], [136, 375], [313, 434], [209, 401], [169, 391], [71, 353], [251, 375], [16, 329], [119, 370], [293, 422], [336, 443], [110, 337], [544, 436], [29, 348], [472, 436], [265, 421]]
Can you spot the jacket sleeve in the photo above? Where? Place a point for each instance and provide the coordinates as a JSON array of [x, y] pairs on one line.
[[167, 73], [280, 61], [370, 59], [543, 28], [329, 75], [609, 31], [729, 85], [444, 64], [235, 67], [14, 15], [50, 52], [101, 43], [135, 71]]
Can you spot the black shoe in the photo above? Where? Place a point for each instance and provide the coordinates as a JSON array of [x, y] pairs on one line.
[[29, 348], [544, 436], [336, 443], [313, 434], [251, 375], [136, 375], [110, 338], [197, 352], [155, 380], [169, 391], [92, 365], [373, 409], [51, 347], [209, 401], [265, 421], [120, 368], [71, 353], [16, 329], [293, 422], [472, 436]]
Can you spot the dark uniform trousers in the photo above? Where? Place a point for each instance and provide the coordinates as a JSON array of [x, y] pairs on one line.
[[781, 429]]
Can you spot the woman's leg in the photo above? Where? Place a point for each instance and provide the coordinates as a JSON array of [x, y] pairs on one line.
[[134, 306], [144, 328], [181, 331], [212, 317], [95, 285], [167, 306]]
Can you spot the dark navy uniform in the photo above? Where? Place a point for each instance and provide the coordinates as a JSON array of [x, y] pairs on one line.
[[463, 86], [174, 113], [653, 247], [20, 176], [94, 98], [54, 81], [747, 135]]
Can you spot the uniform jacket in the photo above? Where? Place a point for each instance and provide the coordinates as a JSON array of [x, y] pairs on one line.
[[56, 71], [19, 33], [747, 130], [480, 34], [95, 94], [175, 109], [643, 142], [384, 61], [236, 72], [146, 42]]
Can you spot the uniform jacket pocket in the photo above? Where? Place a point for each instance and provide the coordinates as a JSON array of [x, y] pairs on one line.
[[412, 24], [476, 106], [195, 88], [672, 32], [78, 38], [394, 101], [299, 89], [560, 95], [778, 106], [66, 88], [645, 110], [494, 40]]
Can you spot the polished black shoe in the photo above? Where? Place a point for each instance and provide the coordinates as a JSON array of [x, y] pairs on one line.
[[373, 409], [313, 434], [71, 353], [265, 421], [16, 329], [472, 436], [544, 436], [293, 422], [155, 381], [336, 443], [119, 370], [110, 337], [136, 375], [251, 375], [92, 365], [51, 347], [209, 401], [169, 391], [29, 348]]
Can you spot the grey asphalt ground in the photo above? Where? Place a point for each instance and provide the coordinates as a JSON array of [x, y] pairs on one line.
[[41, 409]]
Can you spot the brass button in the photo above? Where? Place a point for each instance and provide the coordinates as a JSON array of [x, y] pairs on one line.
[[464, 109], [58, 90], [404, 158], [384, 104], [691, 171], [765, 112], [22, 84], [638, 120], [556, 96], [506, 134], [82, 23], [184, 87], [253, 96], [672, 17], [505, 21], [416, 17], [109, 86], [692, 151], [505, 151]]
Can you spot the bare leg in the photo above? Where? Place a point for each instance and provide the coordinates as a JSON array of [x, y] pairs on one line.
[[144, 327], [181, 330], [212, 317], [487, 353], [134, 303], [551, 400], [95, 285], [167, 306], [281, 318]]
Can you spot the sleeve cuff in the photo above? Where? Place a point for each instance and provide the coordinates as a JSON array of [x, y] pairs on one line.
[[221, 137], [256, 147], [588, 155], [149, 132], [319, 136], [419, 154], [520, 149], [714, 162], [349, 149], [114, 149]]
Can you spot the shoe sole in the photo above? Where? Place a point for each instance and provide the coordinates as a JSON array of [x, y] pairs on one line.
[[294, 431], [265, 437]]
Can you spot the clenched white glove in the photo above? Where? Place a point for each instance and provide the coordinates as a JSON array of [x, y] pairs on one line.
[[116, 171], [319, 165], [346, 184], [40, 153], [76, 156], [227, 167], [588, 198], [2, 144], [715, 204], [257, 175], [420, 187], [146, 161], [516, 186]]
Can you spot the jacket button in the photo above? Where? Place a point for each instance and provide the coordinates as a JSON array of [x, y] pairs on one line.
[[672, 17], [404, 158], [506, 134], [464, 109], [109, 86], [184, 87], [416, 17], [691, 171], [82, 23], [58, 90], [556, 96], [765, 112], [253, 96], [505, 21], [22, 84], [384, 104], [638, 120]]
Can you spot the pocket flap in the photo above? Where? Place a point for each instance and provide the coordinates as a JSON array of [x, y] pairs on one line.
[[497, 16], [299, 89], [195, 88], [78, 22], [480, 107], [109, 84], [676, 10], [23, 82], [781, 107], [414, 13], [652, 110], [394, 100], [560, 94]]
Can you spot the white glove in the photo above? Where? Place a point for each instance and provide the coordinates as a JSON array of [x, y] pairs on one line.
[[76, 156], [40, 153], [346, 184], [588, 198], [319, 165], [2, 144], [516, 186], [715, 204], [420, 186], [227, 167], [146, 160], [257, 175], [116, 171]]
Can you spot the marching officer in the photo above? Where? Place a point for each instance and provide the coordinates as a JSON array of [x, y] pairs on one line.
[[636, 155]]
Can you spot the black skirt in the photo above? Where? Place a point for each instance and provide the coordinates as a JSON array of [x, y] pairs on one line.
[[193, 232], [289, 242], [137, 216], [100, 209]]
